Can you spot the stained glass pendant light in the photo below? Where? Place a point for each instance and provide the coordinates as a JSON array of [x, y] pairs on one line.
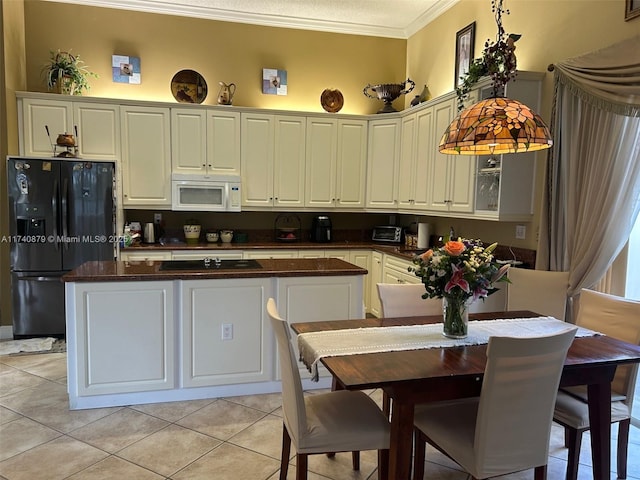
[[497, 125]]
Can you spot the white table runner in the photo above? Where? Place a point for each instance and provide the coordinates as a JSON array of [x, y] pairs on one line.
[[314, 346]]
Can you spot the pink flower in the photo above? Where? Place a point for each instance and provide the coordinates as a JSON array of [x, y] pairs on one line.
[[500, 273], [426, 256], [457, 280]]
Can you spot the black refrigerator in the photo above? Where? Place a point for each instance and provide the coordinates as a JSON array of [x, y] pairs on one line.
[[61, 214]]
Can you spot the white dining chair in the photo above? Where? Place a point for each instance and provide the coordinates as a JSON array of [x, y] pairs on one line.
[[337, 421], [405, 300], [506, 429], [539, 291], [619, 318]]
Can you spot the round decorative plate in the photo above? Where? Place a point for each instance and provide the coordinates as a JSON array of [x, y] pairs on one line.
[[331, 100], [188, 86]]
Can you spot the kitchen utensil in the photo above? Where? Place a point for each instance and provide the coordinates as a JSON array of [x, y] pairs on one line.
[[149, 233], [321, 229], [226, 236], [192, 233]]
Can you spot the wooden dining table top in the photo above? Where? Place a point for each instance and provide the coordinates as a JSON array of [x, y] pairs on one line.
[[410, 377], [371, 370]]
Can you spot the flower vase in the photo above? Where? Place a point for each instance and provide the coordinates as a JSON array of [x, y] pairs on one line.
[[456, 316]]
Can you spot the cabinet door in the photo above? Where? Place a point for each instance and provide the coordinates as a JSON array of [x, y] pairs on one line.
[[146, 156], [384, 138], [144, 256], [351, 164], [257, 254], [257, 159], [289, 164], [362, 258], [223, 142], [98, 130], [426, 142], [406, 164], [142, 360], [375, 277], [462, 172], [439, 163], [56, 115], [225, 333], [321, 157], [188, 140]]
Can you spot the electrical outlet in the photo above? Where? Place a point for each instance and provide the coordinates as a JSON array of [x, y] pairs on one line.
[[157, 218], [227, 331], [521, 232]]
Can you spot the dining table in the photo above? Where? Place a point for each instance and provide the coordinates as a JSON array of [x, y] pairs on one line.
[[419, 375]]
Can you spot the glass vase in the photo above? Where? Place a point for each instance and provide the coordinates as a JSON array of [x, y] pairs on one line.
[[456, 316]]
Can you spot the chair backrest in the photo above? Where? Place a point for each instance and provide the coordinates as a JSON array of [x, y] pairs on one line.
[[540, 291], [616, 317], [517, 401], [293, 406], [405, 300]]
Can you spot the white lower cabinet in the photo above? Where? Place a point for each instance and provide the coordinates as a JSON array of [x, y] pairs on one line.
[[130, 348], [225, 337], [310, 299], [202, 254], [396, 270], [144, 256], [267, 254], [375, 277]]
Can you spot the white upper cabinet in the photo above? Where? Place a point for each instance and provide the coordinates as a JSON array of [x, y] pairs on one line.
[[97, 126], [451, 177], [504, 187], [415, 142], [205, 141], [383, 155], [273, 160], [146, 156], [335, 163]]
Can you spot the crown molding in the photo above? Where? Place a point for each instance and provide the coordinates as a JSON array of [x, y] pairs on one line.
[[227, 15]]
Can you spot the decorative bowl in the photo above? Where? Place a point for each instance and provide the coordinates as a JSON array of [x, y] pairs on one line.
[[226, 235], [212, 237]]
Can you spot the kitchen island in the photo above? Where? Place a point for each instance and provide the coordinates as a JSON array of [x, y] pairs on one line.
[[150, 331]]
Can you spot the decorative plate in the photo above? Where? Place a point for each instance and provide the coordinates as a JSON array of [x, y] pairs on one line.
[[331, 100], [188, 86]]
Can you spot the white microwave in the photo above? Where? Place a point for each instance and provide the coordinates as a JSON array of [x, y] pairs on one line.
[[211, 193]]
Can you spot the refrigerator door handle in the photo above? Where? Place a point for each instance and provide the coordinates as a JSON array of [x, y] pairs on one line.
[[54, 208], [64, 200]]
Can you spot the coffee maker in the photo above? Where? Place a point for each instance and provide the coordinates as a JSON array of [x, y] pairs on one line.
[[321, 229]]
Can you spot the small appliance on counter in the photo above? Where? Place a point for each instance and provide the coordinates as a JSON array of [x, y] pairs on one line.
[[152, 232], [321, 229], [387, 233], [287, 228]]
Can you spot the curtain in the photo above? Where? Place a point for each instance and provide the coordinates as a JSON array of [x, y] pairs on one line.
[[593, 169]]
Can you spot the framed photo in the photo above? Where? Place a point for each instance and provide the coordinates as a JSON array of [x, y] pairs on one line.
[[632, 9], [274, 81], [465, 40], [125, 69]]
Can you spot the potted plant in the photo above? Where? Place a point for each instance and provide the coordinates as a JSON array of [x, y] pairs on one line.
[[67, 73]]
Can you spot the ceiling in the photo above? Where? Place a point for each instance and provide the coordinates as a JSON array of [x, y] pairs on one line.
[[380, 18]]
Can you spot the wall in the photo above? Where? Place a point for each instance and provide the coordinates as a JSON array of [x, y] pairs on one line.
[[219, 51], [552, 31], [12, 78]]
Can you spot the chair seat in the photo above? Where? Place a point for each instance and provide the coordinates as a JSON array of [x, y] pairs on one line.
[[439, 419], [574, 413], [343, 421]]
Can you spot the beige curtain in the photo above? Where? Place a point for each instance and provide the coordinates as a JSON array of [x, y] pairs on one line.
[[593, 170]]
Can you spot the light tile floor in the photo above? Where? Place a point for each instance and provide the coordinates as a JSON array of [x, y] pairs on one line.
[[228, 438]]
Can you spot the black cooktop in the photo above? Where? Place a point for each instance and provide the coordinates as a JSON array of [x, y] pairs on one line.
[[210, 264]]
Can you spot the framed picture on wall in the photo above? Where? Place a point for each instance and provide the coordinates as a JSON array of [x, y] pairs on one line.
[[465, 39], [632, 9]]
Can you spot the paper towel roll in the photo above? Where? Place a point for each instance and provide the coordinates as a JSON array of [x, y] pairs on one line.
[[424, 232]]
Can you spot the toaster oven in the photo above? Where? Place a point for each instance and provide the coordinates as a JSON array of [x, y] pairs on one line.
[[387, 233]]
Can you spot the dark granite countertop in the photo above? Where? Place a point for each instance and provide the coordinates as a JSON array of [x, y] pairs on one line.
[[112, 271]]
